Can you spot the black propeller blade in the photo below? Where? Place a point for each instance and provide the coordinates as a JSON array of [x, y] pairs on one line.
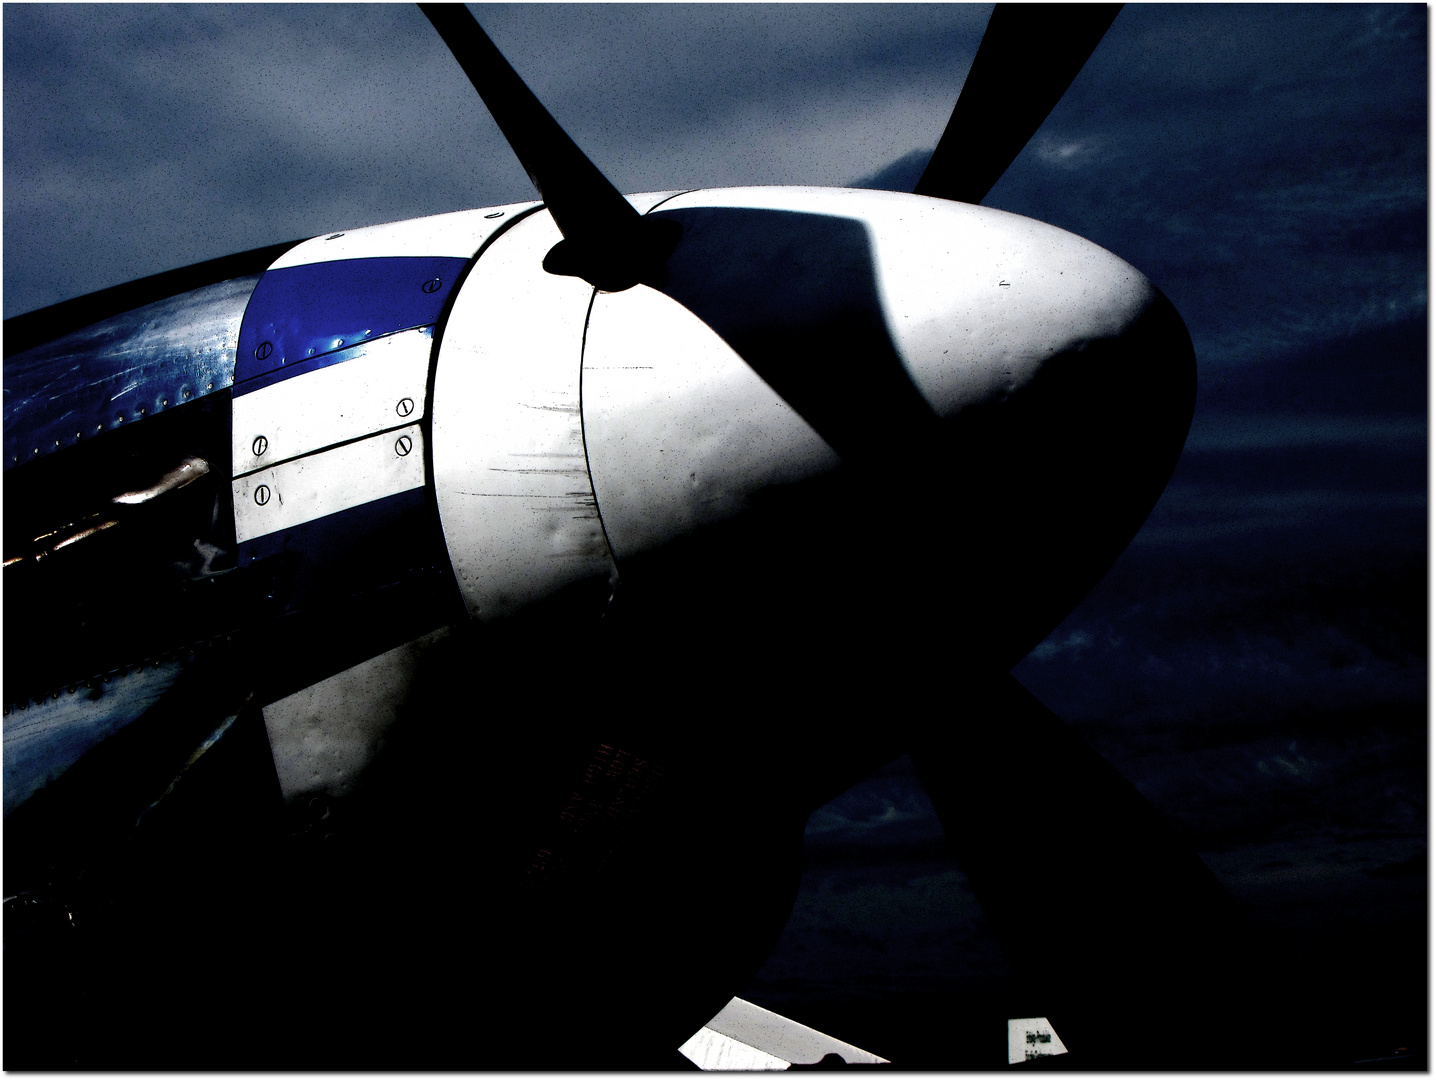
[[1132, 943], [606, 241], [1028, 58], [1119, 926]]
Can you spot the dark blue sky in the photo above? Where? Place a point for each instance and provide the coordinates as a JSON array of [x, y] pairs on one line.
[[1256, 661]]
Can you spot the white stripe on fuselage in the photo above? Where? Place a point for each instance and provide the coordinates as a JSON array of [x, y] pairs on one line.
[[316, 486], [382, 386]]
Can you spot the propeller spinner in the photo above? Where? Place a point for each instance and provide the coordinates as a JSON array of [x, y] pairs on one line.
[[1039, 382]]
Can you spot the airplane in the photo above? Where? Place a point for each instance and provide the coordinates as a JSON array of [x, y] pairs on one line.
[[502, 590]]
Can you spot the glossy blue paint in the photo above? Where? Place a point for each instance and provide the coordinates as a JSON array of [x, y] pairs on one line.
[[122, 369], [298, 313], [314, 363]]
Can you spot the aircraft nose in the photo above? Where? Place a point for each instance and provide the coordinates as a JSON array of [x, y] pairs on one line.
[[1065, 383], [1057, 475], [883, 317], [1006, 400], [980, 302]]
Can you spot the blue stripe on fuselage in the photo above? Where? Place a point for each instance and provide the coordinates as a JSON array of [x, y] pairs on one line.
[[367, 547], [299, 313]]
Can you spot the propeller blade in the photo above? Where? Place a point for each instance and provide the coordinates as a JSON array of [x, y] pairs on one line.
[[1121, 929], [606, 241], [1028, 58]]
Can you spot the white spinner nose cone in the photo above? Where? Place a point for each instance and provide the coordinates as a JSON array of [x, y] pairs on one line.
[[977, 300], [993, 382], [962, 305]]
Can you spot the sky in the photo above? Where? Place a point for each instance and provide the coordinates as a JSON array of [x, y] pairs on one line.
[[1255, 662]]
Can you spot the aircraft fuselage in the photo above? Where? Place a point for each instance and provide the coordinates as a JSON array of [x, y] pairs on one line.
[[837, 416]]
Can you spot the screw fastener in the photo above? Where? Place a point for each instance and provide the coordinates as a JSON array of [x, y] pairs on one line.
[[261, 444], [261, 494], [405, 406], [433, 285], [403, 445], [264, 351]]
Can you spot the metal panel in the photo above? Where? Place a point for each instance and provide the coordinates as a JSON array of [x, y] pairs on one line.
[[324, 736], [681, 432], [458, 235], [312, 487], [306, 311], [379, 384], [122, 369], [713, 1052], [510, 473], [771, 1040]]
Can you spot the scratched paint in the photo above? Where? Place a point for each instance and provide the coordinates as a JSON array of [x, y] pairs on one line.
[[510, 466]]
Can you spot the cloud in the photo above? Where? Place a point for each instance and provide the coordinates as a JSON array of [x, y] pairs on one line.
[[1067, 153], [186, 133]]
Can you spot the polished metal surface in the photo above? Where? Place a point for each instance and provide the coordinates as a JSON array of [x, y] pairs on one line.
[[182, 475], [122, 370]]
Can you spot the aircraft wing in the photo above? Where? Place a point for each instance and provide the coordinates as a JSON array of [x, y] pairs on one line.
[[744, 1037]]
